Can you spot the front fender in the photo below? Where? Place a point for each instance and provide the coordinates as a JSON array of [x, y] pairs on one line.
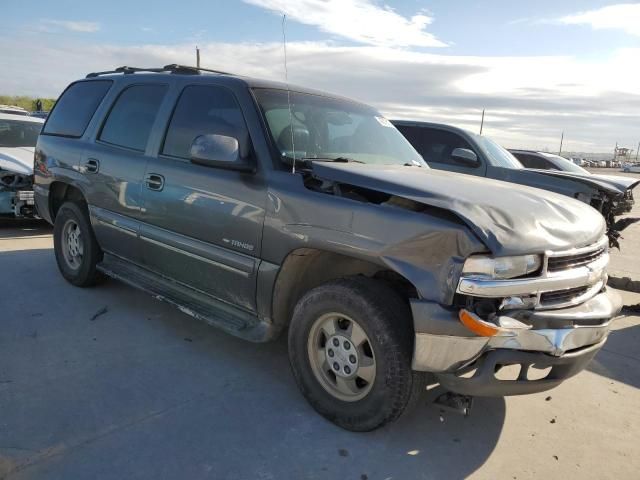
[[428, 249]]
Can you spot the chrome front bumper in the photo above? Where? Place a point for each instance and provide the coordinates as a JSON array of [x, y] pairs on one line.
[[441, 353]]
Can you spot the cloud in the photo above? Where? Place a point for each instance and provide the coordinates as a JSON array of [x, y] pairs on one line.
[[623, 16], [529, 100], [70, 25], [358, 20]]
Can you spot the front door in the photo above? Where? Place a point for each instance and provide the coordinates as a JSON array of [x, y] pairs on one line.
[[203, 225]]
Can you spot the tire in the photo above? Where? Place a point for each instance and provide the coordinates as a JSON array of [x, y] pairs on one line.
[[80, 270], [354, 404]]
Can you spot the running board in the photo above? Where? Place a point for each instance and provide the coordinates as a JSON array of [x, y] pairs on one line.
[[199, 305]]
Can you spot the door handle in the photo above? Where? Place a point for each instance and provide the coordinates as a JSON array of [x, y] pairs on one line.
[[153, 181], [92, 165]]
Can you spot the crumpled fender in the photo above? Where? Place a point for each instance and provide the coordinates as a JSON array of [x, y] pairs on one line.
[[509, 219]]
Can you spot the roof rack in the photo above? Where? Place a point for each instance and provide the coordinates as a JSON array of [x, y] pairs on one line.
[[172, 68]]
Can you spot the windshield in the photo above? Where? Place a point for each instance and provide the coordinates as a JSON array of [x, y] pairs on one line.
[[565, 165], [14, 133], [498, 155], [330, 128]]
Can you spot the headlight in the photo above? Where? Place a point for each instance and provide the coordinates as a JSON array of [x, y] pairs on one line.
[[501, 267]]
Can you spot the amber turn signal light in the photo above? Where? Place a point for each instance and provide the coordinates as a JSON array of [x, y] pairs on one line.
[[477, 325]]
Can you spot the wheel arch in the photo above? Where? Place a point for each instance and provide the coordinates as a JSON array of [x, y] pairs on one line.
[[61, 192], [307, 268]]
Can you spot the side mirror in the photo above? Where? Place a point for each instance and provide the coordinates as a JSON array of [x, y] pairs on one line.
[[465, 156], [220, 151]]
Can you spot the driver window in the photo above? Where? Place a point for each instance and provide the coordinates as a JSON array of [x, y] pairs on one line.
[[434, 145]]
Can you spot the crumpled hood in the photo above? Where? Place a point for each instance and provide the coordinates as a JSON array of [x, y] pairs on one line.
[[509, 219], [609, 183], [17, 159]]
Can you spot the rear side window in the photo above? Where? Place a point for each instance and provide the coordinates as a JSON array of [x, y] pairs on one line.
[[74, 109], [132, 116], [202, 110]]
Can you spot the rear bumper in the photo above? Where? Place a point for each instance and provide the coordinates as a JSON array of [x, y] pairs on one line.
[[564, 339]]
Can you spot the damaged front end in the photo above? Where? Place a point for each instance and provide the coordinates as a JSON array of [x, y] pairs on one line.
[[611, 196], [535, 298], [544, 325], [16, 195], [614, 206]]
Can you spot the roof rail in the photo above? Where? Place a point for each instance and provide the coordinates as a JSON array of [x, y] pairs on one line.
[[172, 68]]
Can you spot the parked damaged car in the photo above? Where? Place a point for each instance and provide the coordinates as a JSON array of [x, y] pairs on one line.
[[18, 136], [265, 209], [556, 165], [450, 148]]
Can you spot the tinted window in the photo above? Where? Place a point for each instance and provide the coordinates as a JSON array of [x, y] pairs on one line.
[[533, 161], [203, 110], [74, 109], [434, 145], [132, 116], [14, 133]]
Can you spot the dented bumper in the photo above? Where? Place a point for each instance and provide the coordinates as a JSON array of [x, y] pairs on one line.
[[555, 337]]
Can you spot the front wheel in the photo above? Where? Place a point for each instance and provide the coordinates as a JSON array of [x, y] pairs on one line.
[[77, 251], [350, 344]]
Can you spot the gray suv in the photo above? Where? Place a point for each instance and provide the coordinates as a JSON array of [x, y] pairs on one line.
[[261, 209]]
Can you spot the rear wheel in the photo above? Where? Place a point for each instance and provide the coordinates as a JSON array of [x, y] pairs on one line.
[[350, 344], [76, 249]]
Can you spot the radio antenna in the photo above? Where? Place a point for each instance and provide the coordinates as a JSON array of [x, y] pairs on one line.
[[286, 81]]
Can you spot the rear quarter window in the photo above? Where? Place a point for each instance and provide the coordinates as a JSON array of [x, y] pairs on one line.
[[74, 109]]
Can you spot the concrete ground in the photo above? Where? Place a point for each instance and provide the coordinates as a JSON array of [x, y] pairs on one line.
[[108, 383]]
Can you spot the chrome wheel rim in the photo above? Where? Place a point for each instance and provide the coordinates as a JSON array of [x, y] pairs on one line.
[[341, 357], [72, 244]]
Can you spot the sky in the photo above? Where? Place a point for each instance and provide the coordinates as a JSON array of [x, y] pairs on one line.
[[538, 68]]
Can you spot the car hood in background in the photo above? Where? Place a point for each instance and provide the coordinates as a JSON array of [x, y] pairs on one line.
[[609, 183], [17, 159], [510, 219]]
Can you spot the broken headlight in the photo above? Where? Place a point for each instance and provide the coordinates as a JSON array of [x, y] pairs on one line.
[[501, 267]]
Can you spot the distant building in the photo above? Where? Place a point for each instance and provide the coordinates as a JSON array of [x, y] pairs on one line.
[[622, 153]]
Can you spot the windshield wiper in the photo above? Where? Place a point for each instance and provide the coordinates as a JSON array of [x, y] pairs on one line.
[[332, 159]]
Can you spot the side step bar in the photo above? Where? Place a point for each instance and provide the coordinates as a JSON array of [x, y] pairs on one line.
[[197, 304]]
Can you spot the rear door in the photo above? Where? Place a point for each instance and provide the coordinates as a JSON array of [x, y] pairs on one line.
[[203, 225], [115, 167]]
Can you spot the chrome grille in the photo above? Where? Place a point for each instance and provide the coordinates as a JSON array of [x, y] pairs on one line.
[[562, 296], [567, 262]]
